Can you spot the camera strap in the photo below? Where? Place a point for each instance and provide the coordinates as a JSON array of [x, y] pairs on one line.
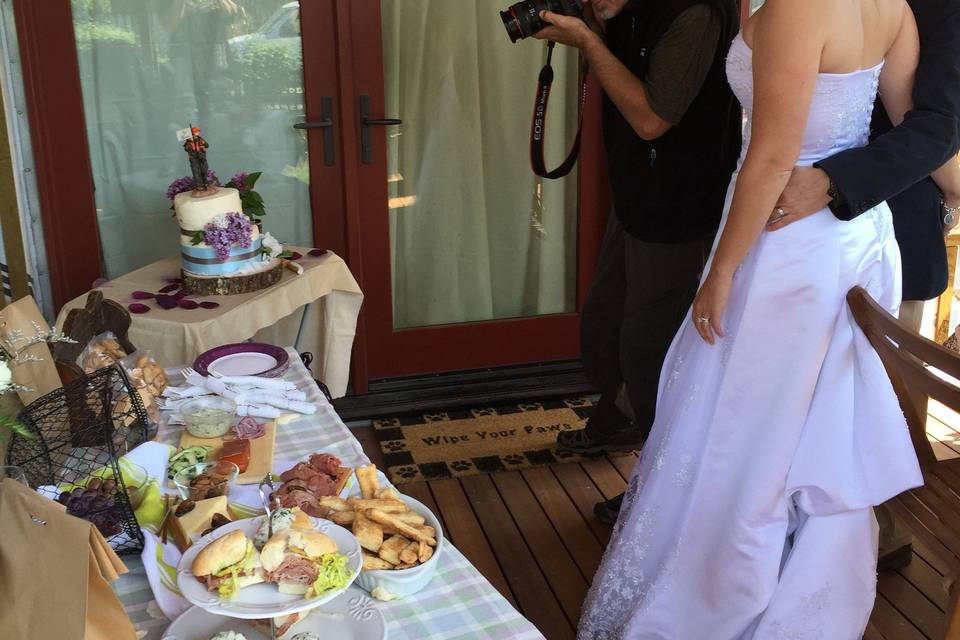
[[538, 125]]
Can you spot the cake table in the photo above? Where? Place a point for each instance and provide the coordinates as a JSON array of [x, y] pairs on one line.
[[316, 311]]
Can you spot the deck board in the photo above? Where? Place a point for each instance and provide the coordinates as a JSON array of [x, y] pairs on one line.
[[534, 535]]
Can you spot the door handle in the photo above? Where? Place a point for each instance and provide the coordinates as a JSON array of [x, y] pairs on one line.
[[366, 144], [326, 123]]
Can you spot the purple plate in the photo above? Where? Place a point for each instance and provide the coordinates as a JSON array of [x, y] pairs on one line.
[[243, 359]]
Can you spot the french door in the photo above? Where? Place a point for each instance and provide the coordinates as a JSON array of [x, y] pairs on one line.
[[395, 137], [468, 260]]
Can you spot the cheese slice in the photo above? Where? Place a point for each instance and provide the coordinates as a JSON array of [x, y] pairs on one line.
[[188, 527]]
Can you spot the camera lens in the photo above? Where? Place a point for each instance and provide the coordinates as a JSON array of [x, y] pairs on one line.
[[522, 19], [512, 25]]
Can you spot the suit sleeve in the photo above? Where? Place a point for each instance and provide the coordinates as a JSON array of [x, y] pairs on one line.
[[929, 134]]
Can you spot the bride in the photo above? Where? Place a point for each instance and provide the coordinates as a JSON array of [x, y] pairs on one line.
[[749, 514]]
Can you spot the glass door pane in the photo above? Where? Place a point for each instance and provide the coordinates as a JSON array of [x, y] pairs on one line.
[[148, 68], [474, 235]]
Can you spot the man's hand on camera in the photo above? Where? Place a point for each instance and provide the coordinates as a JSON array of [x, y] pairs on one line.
[[804, 195], [567, 30]]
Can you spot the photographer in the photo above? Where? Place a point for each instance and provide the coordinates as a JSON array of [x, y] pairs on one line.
[[672, 133]]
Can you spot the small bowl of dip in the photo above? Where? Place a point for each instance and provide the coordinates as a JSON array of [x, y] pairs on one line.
[[206, 480], [209, 416]]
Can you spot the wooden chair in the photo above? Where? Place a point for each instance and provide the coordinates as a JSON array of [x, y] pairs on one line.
[[932, 512]]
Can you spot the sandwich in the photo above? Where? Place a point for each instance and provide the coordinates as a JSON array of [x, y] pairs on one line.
[[283, 519], [304, 562], [229, 564]]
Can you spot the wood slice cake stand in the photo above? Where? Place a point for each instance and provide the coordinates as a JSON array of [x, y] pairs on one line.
[[228, 286]]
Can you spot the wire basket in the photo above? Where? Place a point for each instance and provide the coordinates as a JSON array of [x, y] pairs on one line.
[[82, 429]]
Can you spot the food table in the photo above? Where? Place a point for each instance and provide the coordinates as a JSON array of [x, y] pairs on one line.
[[282, 314], [457, 603]]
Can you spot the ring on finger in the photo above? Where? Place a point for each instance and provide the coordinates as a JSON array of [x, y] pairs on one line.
[[778, 214], [703, 320]]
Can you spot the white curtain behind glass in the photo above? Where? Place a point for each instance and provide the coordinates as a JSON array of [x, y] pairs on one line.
[[150, 67], [470, 239]]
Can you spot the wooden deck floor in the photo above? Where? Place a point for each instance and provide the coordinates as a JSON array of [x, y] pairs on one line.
[[534, 536]]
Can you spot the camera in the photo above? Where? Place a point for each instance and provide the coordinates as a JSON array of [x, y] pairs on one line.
[[522, 19]]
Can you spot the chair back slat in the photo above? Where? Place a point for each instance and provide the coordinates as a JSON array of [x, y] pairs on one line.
[[911, 362]]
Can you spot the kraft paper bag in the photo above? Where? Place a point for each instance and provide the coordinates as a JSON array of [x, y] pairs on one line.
[[54, 572], [19, 322]]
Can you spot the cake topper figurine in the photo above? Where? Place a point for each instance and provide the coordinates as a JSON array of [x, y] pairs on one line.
[[196, 148]]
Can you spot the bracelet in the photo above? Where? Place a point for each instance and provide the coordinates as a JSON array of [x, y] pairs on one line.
[[950, 213]]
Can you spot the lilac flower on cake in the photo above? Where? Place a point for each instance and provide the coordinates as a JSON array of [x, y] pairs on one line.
[[226, 231], [239, 182]]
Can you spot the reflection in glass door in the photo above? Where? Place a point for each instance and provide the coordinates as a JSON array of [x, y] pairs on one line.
[[474, 235], [147, 69]]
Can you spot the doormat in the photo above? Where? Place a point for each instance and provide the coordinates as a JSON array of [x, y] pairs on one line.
[[473, 441]]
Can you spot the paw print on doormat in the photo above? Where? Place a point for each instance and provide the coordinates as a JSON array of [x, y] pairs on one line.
[[386, 423], [487, 411], [394, 446], [461, 465], [530, 406], [563, 454], [408, 472], [578, 402], [514, 459], [436, 417]]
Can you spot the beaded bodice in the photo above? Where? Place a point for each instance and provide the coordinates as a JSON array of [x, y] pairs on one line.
[[839, 113]]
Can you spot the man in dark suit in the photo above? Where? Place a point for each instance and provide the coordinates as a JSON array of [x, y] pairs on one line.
[[896, 167]]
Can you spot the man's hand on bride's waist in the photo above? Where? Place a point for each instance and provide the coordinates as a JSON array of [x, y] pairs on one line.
[[805, 194]]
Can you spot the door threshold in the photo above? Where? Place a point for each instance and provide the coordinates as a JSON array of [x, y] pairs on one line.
[[465, 389]]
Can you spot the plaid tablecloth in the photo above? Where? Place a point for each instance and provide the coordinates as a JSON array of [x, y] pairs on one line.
[[458, 602]]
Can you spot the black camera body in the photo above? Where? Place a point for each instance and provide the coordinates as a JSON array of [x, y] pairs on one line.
[[522, 19]]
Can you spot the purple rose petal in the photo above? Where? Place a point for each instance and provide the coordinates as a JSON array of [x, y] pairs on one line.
[[180, 295], [209, 304], [136, 307], [99, 282], [170, 287], [316, 253], [141, 295], [187, 304], [167, 302], [296, 255]]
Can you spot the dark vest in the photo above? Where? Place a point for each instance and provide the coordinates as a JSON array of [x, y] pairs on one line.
[[672, 189]]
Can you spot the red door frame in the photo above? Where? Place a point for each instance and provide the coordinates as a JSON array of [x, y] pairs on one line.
[[51, 78], [471, 345]]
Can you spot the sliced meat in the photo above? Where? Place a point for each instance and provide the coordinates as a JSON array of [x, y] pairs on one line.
[[289, 622], [287, 487], [299, 471], [315, 510], [298, 498], [213, 582], [321, 485], [325, 463], [294, 569]]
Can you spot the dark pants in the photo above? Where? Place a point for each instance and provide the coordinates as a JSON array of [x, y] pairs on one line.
[[637, 302]]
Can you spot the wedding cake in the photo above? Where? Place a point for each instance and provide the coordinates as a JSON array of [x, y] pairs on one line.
[[222, 248], [230, 243]]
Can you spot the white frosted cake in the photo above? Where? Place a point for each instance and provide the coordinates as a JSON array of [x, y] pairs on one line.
[[216, 239]]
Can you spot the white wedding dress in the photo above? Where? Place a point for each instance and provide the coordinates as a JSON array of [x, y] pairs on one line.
[[749, 513]]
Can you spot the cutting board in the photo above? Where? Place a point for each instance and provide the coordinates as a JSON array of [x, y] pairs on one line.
[[261, 452]]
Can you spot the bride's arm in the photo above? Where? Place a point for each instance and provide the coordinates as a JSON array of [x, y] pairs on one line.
[[788, 40], [896, 92]]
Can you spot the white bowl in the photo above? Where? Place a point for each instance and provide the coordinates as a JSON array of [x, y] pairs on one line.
[[406, 582]]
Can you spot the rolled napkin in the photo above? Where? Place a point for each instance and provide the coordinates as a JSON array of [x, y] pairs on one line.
[[259, 411], [275, 400], [261, 383], [189, 391], [296, 394]]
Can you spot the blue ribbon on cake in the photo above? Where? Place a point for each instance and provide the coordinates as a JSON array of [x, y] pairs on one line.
[[204, 261]]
